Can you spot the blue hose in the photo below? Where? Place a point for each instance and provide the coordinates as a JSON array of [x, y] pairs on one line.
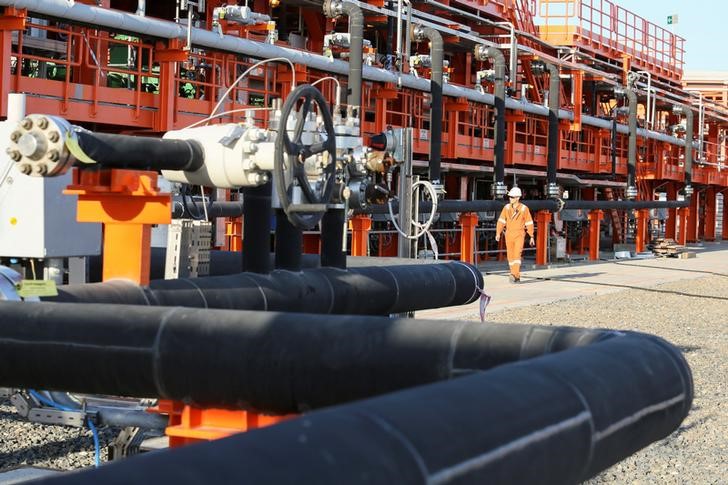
[[51, 404]]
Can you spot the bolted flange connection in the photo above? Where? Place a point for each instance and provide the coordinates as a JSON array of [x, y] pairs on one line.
[[37, 146]]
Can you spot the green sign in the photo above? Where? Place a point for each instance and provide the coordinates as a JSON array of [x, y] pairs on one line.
[[37, 288], [671, 19]]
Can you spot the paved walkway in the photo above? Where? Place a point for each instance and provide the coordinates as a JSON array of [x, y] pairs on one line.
[[588, 279]]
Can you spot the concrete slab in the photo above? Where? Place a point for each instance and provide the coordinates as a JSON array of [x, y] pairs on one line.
[[587, 279]]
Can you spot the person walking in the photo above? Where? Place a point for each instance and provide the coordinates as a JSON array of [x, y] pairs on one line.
[[515, 219]]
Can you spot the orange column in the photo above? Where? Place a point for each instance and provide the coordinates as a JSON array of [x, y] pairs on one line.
[[12, 20], [360, 226], [725, 217], [595, 218], [682, 234], [710, 208], [642, 216], [692, 222], [543, 218], [671, 223], [468, 223]]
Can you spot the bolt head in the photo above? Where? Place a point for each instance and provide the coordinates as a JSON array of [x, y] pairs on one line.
[[27, 123], [25, 169], [54, 136], [43, 123], [15, 135], [41, 168], [53, 155]]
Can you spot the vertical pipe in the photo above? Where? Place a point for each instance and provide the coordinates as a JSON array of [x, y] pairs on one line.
[[613, 148], [256, 228], [437, 59], [688, 113], [289, 241], [404, 245], [551, 189], [332, 238], [16, 107], [390, 34], [356, 33], [483, 53], [631, 191]]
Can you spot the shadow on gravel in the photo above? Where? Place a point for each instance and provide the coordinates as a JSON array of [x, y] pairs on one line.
[[686, 349], [567, 279], [672, 269], [688, 427], [46, 451]]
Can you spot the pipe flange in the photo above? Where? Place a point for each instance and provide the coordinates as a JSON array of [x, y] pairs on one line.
[[500, 189], [38, 146], [688, 190], [480, 52], [552, 190], [333, 8], [631, 192], [418, 33]]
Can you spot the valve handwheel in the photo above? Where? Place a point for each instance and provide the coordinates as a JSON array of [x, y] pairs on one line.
[[290, 160]]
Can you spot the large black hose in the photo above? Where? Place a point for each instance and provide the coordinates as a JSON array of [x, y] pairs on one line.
[[257, 213], [448, 205], [141, 153], [560, 418], [289, 243], [437, 57], [333, 253], [553, 137], [358, 291]]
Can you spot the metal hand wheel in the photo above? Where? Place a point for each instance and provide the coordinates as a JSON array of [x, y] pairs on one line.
[[304, 187]]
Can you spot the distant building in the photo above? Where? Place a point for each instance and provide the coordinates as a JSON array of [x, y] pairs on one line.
[[712, 84]]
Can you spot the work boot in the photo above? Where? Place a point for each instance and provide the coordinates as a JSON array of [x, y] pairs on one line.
[[517, 280], [512, 278]]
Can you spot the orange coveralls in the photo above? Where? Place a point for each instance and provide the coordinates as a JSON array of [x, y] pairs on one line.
[[516, 220]]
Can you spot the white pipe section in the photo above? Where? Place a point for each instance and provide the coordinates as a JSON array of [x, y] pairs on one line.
[[122, 21]]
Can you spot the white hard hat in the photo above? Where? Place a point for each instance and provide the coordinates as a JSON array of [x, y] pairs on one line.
[[515, 192]]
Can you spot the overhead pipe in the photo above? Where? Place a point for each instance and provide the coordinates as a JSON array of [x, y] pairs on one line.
[[631, 190], [371, 290], [483, 53], [437, 53], [541, 420], [146, 26], [552, 205]]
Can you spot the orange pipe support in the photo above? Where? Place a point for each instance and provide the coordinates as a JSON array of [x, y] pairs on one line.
[[672, 214], [692, 221], [127, 202], [682, 234], [595, 219], [724, 236], [543, 218], [468, 223], [642, 217], [360, 226], [710, 213]]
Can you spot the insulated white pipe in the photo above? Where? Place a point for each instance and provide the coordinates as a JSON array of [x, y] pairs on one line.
[[128, 22]]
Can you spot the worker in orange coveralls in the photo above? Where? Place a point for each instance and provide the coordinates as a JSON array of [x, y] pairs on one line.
[[516, 219]]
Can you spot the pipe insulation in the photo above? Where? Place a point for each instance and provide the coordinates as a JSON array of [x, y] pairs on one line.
[[688, 112], [553, 419], [499, 97], [216, 208], [553, 205], [553, 133], [437, 57], [368, 290], [146, 26], [632, 144]]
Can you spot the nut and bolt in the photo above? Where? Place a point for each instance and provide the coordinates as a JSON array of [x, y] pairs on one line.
[[54, 136], [27, 123], [43, 123], [41, 169], [26, 169], [15, 155], [15, 135], [53, 155]]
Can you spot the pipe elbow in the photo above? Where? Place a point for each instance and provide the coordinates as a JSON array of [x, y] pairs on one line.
[[420, 33]]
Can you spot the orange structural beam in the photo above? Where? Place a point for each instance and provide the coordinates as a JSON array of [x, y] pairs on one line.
[[725, 218], [360, 226], [595, 220], [127, 203], [710, 214], [671, 223], [642, 217], [543, 218], [468, 223], [682, 233], [691, 225]]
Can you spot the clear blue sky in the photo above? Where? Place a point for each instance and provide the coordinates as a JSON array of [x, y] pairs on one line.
[[703, 24]]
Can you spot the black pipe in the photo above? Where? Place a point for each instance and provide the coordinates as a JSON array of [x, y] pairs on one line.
[[437, 60], [289, 243], [390, 40], [451, 205], [631, 192], [141, 153], [559, 418], [332, 9], [333, 253], [257, 212], [553, 135], [115, 416], [483, 53], [368, 290], [688, 112], [613, 148], [214, 209]]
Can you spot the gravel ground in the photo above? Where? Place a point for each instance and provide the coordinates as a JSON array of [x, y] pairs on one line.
[[692, 315], [23, 443]]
